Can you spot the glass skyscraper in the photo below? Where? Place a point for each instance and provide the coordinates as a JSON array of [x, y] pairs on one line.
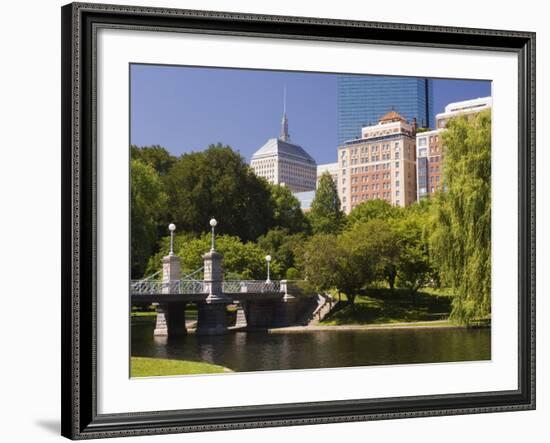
[[363, 99]]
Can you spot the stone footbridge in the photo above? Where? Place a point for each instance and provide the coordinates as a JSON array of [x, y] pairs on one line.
[[265, 303]]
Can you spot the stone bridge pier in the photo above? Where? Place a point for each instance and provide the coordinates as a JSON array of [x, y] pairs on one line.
[[213, 310], [273, 313], [170, 316]]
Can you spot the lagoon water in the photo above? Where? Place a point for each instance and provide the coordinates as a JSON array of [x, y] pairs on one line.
[[262, 351]]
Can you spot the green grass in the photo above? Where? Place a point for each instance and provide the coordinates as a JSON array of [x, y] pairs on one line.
[[144, 314], [150, 367], [398, 306], [191, 313]]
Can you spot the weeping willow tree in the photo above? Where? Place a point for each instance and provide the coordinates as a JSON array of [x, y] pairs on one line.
[[461, 240]]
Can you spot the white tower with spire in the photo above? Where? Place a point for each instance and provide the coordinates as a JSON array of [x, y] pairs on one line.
[[281, 162], [285, 136]]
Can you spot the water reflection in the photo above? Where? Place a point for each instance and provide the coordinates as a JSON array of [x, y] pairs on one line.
[[257, 351]]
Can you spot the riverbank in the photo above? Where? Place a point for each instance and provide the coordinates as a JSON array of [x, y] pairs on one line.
[[154, 367], [435, 324], [382, 306]]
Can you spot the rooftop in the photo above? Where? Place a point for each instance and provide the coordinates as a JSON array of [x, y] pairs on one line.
[[466, 105], [276, 146], [392, 116]]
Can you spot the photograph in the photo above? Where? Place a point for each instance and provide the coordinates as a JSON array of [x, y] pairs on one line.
[[294, 220], [274, 220]]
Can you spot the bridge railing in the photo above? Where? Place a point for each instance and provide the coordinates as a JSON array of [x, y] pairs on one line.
[[148, 287], [252, 286]]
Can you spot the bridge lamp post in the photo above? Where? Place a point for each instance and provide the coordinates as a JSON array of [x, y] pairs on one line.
[[268, 259], [213, 224], [171, 228]]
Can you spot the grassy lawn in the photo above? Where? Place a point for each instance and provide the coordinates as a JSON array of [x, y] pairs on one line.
[[149, 367], [397, 306], [191, 313], [144, 314]]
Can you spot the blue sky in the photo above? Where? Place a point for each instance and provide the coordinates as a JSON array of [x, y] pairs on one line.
[[186, 108]]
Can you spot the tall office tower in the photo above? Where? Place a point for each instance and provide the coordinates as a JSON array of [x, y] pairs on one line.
[[281, 162], [363, 99], [381, 164]]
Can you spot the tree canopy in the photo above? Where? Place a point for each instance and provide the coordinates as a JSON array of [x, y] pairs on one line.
[[283, 246], [373, 209], [156, 156], [218, 183], [148, 206], [240, 260], [461, 241], [287, 212], [326, 216]]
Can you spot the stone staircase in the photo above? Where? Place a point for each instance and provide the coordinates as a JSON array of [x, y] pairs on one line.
[[320, 307]]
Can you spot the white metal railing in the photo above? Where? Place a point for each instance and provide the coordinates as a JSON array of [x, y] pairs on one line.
[[141, 287], [151, 287], [252, 286]]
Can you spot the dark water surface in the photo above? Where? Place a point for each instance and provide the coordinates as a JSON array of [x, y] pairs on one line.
[[261, 351]]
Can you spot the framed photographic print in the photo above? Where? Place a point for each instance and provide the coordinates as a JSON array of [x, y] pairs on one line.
[[273, 221]]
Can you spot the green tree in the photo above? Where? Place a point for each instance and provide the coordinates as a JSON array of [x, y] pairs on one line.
[[218, 183], [325, 215], [148, 204], [157, 156], [461, 240], [414, 267], [358, 263], [287, 212], [378, 240], [318, 261], [282, 246], [373, 209], [240, 260], [346, 262]]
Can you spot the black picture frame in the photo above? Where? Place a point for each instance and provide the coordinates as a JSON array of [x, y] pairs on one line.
[[79, 172]]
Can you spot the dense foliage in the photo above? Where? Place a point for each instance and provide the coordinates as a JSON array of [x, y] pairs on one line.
[[148, 207], [326, 216], [462, 216], [218, 183], [370, 251]]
